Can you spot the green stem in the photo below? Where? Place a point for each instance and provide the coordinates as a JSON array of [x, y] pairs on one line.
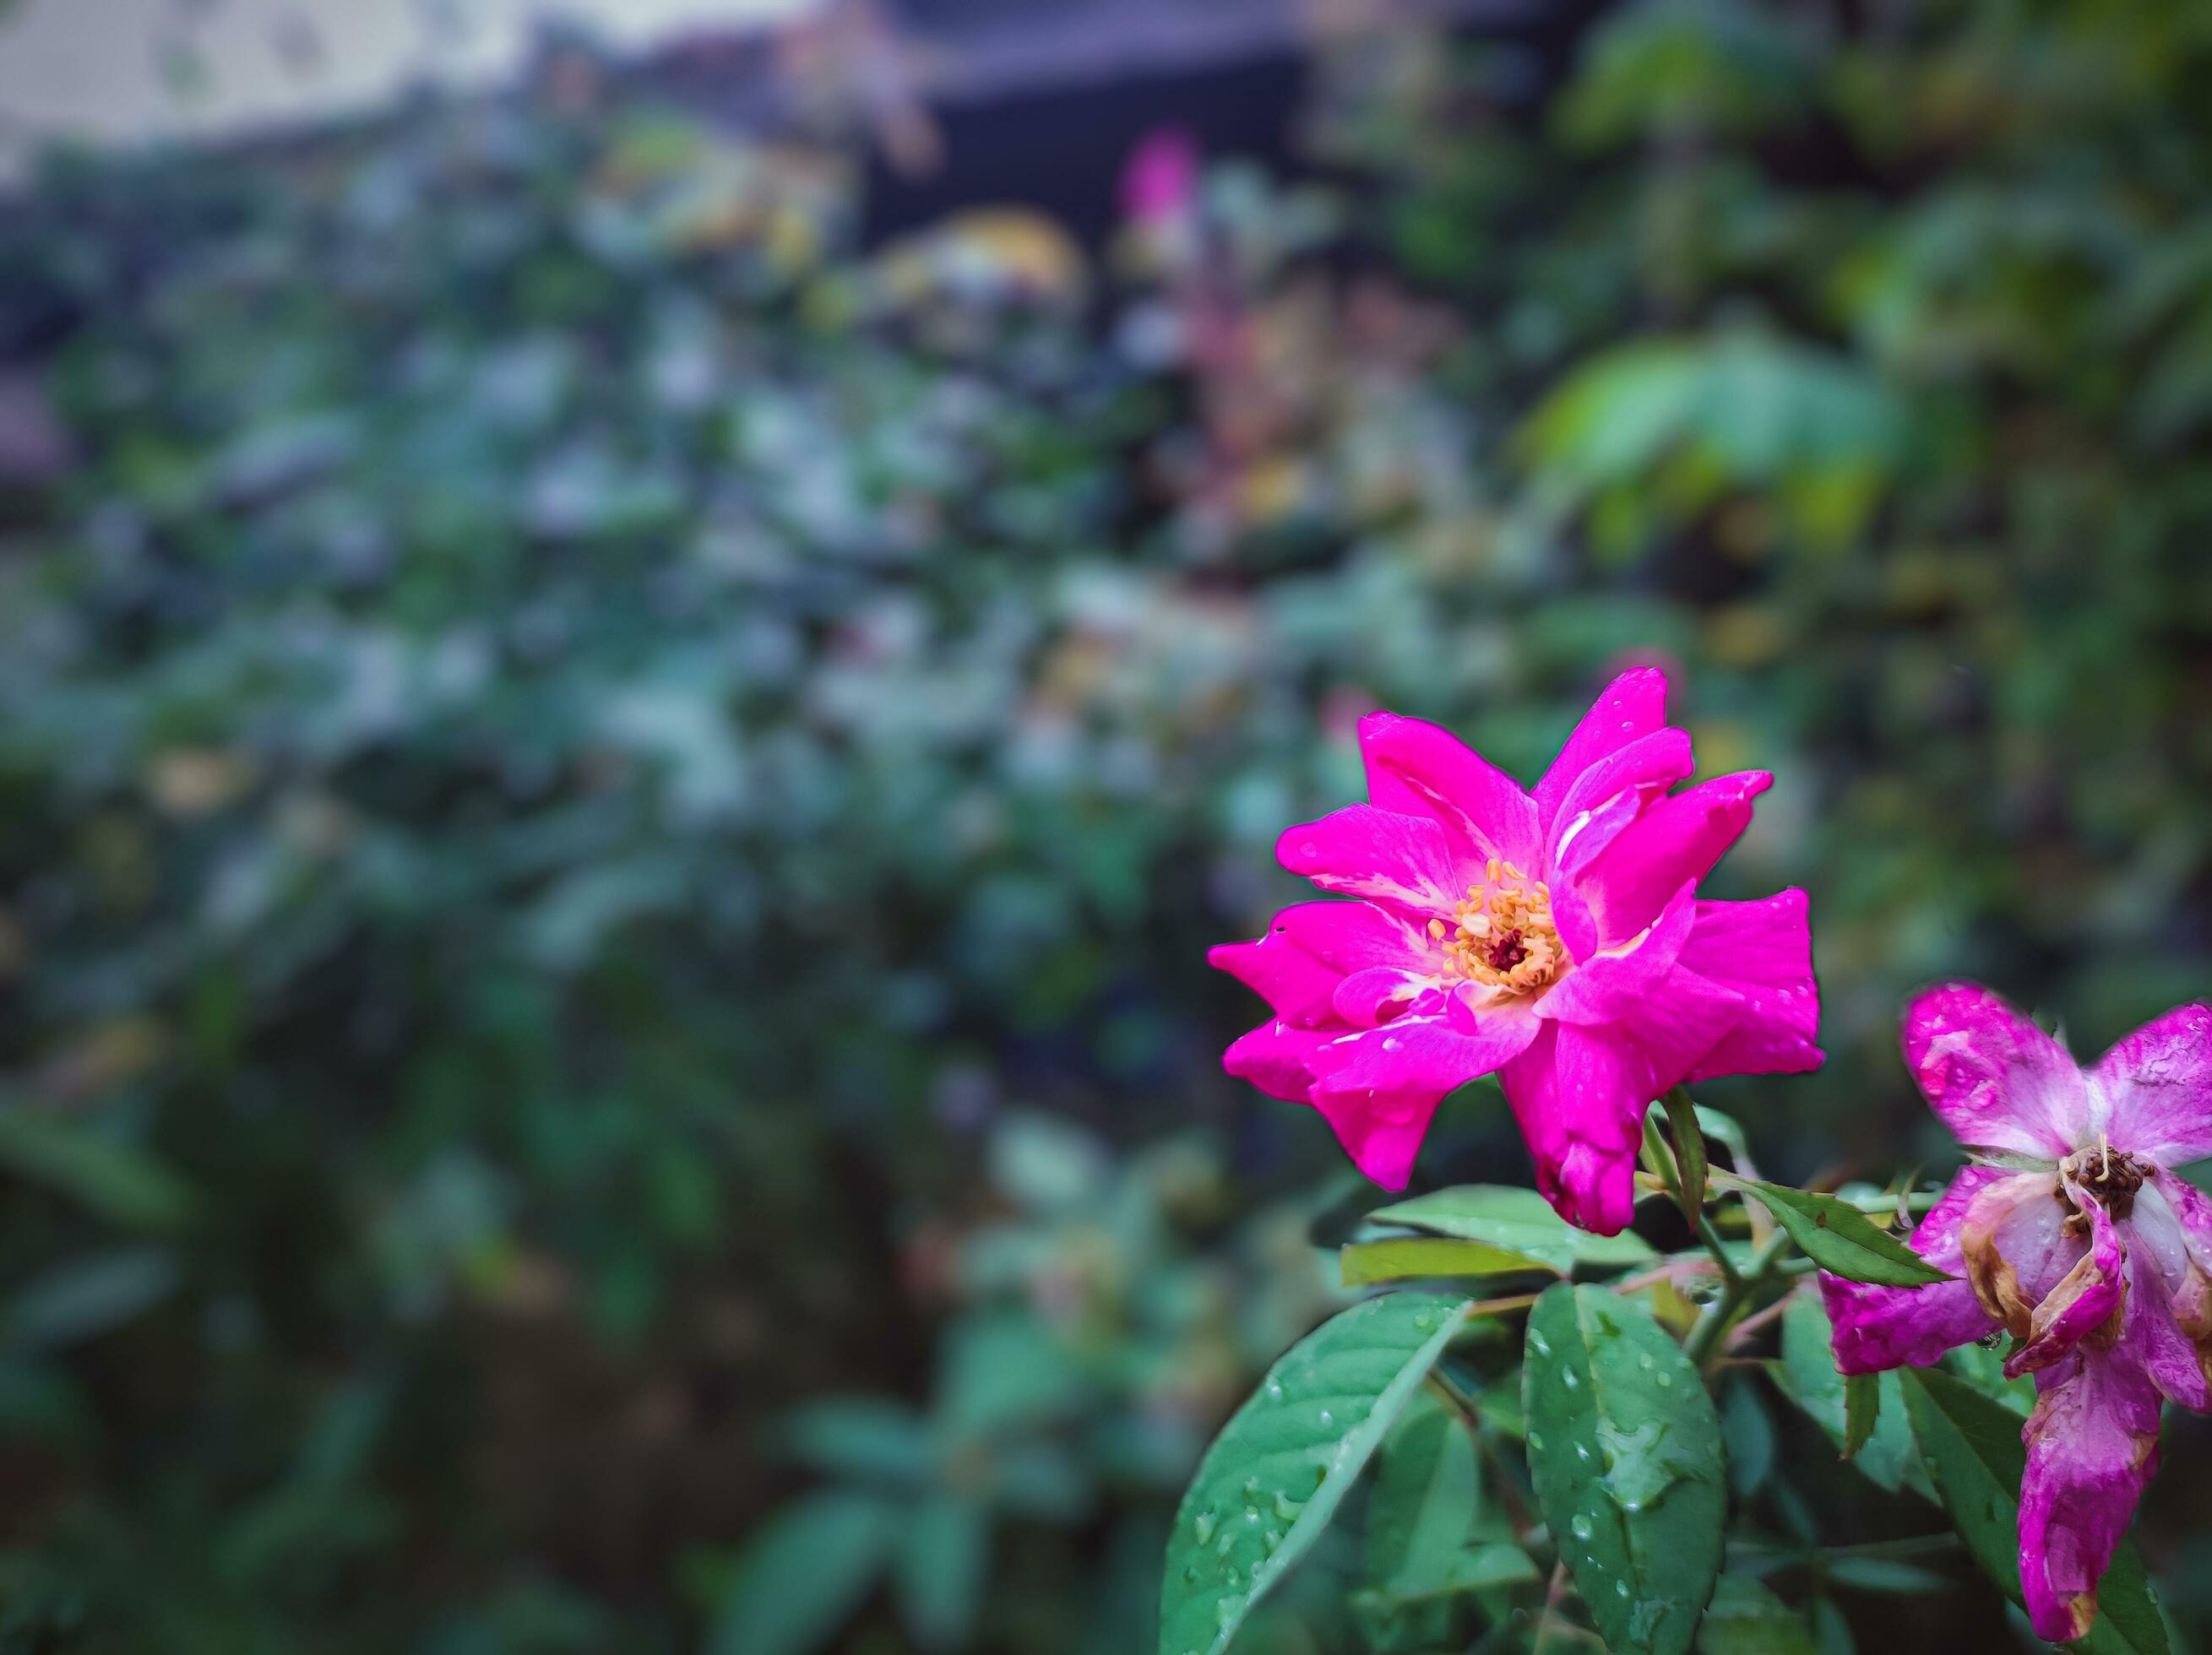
[[1713, 1321]]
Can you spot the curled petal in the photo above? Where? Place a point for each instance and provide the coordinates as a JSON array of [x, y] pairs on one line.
[[1992, 1077], [1404, 863], [1634, 705], [1611, 794], [1376, 995], [2092, 1446], [1417, 768], [1675, 842], [2167, 1323], [2018, 1248], [1878, 1327], [2086, 1300], [2153, 1090], [1763, 952]]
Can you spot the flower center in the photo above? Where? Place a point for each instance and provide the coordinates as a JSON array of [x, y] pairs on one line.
[[1501, 933], [2111, 1176]]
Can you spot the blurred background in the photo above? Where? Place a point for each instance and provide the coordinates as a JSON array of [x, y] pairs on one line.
[[639, 650]]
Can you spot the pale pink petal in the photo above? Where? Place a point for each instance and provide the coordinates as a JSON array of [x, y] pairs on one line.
[[1276, 1058], [1417, 768], [1632, 705], [2169, 1308], [1763, 951], [1612, 793], [1675, 842], [1614, 982], [2156, 1087], [2092, 1446], [1992, 1077], [2081, 1301], [1406, 862], [1879, 1327], [1579, 1097]]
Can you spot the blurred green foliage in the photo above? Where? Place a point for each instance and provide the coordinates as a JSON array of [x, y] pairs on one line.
[[609, 804]]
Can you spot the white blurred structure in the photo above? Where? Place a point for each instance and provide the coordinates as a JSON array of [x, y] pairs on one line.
[[122, 71]]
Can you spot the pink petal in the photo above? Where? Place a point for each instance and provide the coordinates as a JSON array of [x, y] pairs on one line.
[[1276, 1058], [2081, 1301], [2169, 1308], [2157, 1086], [1632, 705], [1878, 1327], [1309, 948], [2092, 1446], [1763, 951], [1579, 1097], [1417, 768], [1406, 862], [1992, 1077], [1417, 1054], [1379, 1089], [1611, 794], [1675, 842], [1614, 983], [1374, 996]]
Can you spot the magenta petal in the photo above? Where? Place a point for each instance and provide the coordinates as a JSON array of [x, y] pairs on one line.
[[1632, 705], [1405, 862], [1428, 1054], [1579, 1097], [2165, 1291], [2092, 1446], [1417, 768], [1675, 842], [1992, 1077], [1764, 952], [1371, 997], [2156, 1087], [1614, 983], [1311, 946], [1878, 1327], [1276, 1058], [1382, 1132], [1612, 793]]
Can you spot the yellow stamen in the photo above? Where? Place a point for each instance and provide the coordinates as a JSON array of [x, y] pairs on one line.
[[1502, 935]]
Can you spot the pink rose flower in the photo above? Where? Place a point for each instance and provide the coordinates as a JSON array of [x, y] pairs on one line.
[[1554, 937], [2083, 1246]]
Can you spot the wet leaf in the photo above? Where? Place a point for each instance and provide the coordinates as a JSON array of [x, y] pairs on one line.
[[1806, 1373], [1837, 1237], [1746, 1618], [1624, 1450], [1276, 1475], [1519, 1224]]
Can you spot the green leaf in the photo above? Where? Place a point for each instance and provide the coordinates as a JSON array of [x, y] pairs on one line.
[[1427, 1494], [1807, 1374], [1725, 1129], [944, 1558], [1861, 1407], [1275, 1476], [1746, 1618], [1424, 1257], [117, 1180], [1624, 1450], [1518, 1223], [1837, 1237], [1973, 1447], [862, 1438], [91, 1295], [803, 1574], [1689, 1152]]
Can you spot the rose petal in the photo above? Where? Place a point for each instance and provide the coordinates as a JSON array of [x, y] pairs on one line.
[[1762, 952], [1404, 863], [2092, 1446], [2081, 1301], [1992, 1077], [1579, 1096], [1417, 768], [1612, 793], [1632, 706], [1675, 842], [1615, 982], [2154, 1089], [1276, 1058], [1879, 1327]]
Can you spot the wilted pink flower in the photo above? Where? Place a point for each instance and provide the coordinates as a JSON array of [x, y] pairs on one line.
[[2082, 1245], [1554, 936]]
